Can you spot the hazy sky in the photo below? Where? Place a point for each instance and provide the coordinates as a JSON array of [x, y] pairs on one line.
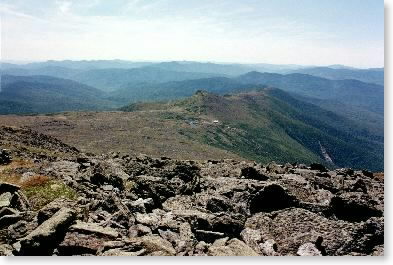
[[312, 32]]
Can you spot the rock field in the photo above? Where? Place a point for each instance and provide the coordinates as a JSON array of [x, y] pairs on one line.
[[139, 205]]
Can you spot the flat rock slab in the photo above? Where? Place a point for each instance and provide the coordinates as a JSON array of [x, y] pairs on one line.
[[79, 244], [42, 239], [154, 244], [94, 228]]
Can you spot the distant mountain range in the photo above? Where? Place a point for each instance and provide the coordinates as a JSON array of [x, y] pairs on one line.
[[114, 79], [45, 94], [293, 113], [373, 75], [121, 86], [351, 92]]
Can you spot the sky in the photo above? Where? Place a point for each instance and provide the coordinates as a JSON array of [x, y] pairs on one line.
[[306, 32]]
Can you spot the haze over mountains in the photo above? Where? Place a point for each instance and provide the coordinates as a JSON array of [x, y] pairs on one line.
[[336, 108]]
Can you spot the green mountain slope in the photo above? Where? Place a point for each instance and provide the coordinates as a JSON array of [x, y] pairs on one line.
[[351, 92], [178, 89], [269, 124], [43, 94]]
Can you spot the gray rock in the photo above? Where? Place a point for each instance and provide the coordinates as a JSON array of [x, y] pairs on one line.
[[355, 206], [252, 238], [273, 197], [83, 227], [139, 230], [7, 211], [275, 168], [156, 245], [233, 247], [76, 243], [378, 251], [5, 199], [120, 252], [19, 201], [318, 167], [141, 205], [170, 236], [42, 240], [252, 173], [269, 248], [201, 249], [107, 187], [365, 238], [7, 220], [293, 227], [308, 249], [20, 229], [50, 209], [6, 250]]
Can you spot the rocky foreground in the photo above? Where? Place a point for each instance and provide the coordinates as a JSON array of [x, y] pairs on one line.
[[135, 206]]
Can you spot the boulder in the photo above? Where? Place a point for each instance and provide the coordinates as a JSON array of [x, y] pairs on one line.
[[273, 197], [139, 230], [269, 248], [156, 244], [21, 228], [308, 249], [50, 209], [293, 227], [6, 250], [230, 225], [75, 243], [201, 248], [93, 228], [252, 238], [19, 201], [318, 167], [170, 236], [275, 168], [354, 206], [7, 220], [141, 205], [233, 247], [7, 211], [378, 251], [216, 204], [43, 239], [5, 199], [252, 173], [125, 247], [368, 236]]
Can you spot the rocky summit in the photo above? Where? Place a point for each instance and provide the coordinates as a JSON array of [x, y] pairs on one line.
[[55, 200]]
